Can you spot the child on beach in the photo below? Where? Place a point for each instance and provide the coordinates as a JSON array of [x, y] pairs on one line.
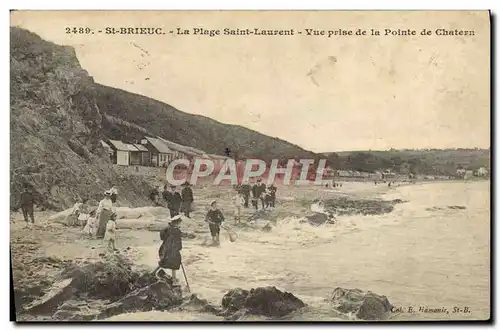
[[214, 218], [110, 235], [239, 201]]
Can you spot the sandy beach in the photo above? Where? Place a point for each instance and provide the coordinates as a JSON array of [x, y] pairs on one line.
[[430, 251]]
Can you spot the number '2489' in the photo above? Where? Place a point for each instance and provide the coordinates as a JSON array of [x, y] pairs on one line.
[[80, 30]]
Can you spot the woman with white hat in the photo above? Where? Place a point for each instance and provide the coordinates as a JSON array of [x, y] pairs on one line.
[[104, 211]]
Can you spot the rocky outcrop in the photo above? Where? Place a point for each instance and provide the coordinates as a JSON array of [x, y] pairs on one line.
[[266, 301], [364, 305], [348, 206], [85, 290], [160, 295], [56, 128]]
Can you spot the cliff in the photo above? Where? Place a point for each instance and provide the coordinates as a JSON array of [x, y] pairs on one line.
[[56, 126]]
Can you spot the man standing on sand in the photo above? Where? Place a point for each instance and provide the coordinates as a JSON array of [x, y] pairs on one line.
[[187, 199], [261, 191], [245, 191], [174, 201], [27, 204]]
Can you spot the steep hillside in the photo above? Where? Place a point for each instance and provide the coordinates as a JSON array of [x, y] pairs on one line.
[[187, 129], [59, 114], [55, 128]]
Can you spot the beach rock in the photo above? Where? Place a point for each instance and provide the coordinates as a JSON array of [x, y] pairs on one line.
[[316, 218], [234, 299], [195, 303], [457, 207], [56, 295], [109, 278], [157, 296], [365, 305], [267, 227], [267, 301]]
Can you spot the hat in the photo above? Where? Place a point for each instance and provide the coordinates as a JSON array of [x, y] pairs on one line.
[[212, 203], [176, 219]]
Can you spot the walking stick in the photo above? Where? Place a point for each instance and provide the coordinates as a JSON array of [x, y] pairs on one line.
[[185, 277]]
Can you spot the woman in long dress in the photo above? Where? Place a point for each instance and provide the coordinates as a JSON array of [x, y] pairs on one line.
[[104, 212], [170, 249]]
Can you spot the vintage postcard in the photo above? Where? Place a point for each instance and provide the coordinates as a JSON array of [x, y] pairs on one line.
[[250, 165]]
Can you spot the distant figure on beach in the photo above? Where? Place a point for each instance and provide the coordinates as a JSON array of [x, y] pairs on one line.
[[72, 219], [389, 184], [174, 200], [114, 194], [270, 196], [258, 192], [170, 249], [245, 190], [214, 218], [239, 201], [273, 190], [110, 236], [77, 207], [104, 212], [187, 199], [27, 204]]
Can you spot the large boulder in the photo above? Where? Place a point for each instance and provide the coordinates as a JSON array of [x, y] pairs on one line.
[[234, 300], [267, 301], [197, 304], [109, 278], [55, 296], [317, 219], [364, 305], [157, 296]]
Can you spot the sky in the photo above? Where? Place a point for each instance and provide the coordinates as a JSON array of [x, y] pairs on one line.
[[323, 94]]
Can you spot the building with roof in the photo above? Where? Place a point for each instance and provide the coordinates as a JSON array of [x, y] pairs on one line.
[[121, 152], [160, 155], [140, 155], [183, 152]]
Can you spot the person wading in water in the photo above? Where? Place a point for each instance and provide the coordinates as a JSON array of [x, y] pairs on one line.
[[170, 249], [214, 218]]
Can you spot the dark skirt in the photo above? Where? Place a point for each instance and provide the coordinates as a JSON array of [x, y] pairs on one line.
[[170, 260], [214, 229], [103, 221]]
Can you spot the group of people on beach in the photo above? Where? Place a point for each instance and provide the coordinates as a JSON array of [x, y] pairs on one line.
[[259, 193], [100, 222]]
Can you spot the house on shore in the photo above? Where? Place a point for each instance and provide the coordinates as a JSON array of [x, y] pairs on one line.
[[140, 155], [121, 152], [160, 155], [183, 152]]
